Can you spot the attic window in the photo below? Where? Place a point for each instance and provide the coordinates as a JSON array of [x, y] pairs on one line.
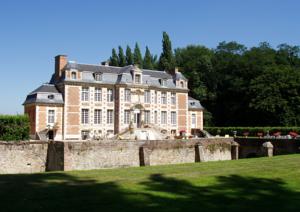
[[51, 96], [73, 75], [192, 103], [98, 76], [137, 79], [182, 84], [163, 82]]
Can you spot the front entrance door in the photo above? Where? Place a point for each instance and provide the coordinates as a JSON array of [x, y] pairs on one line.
[[137, 119]]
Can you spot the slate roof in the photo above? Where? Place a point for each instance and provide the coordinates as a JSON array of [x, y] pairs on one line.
[[122, 75], [194, 104], [46, 93]]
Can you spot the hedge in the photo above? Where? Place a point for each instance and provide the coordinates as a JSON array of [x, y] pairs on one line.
[[14, 127], [251, 131]]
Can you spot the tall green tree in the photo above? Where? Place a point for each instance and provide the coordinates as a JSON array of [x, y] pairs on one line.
[[114, 59], [166, 60], [129, 56], [122, 59], [137, 56], [147, 64]]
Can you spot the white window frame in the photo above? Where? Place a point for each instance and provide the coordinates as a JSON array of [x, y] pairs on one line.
[[110, 95], [126, 116], [110, 117], [173, 118], [98, 76], [127, 95], [193, 120], [155, 117], [163, 98], [147, 96], [73, 75], [98, 94], [163, 117], [137, 79], [97, 116], [85, 93], [173, 98], [52, 121], [147, 117], [84, 116]]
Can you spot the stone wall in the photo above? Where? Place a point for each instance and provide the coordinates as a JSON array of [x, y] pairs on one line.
[[28, 157], [23, 157]]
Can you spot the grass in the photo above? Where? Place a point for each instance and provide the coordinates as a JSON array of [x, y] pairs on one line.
[[259, 184]]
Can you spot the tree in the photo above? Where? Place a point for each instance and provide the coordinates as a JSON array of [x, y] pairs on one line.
[[122, 59], [166, 60], [114, 59], [147, 64], [137, 56], [129, 56]]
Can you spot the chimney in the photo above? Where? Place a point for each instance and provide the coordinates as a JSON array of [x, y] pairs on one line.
[[105, 63], [60, 63]]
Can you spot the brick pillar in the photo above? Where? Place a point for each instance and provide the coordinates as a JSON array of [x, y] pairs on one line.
[[144, 155], [234, 150], [268, 149]]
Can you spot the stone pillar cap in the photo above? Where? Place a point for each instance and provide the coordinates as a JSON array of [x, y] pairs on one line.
[[268, 145]]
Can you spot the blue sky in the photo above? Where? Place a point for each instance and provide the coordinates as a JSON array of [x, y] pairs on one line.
[[33, 32]]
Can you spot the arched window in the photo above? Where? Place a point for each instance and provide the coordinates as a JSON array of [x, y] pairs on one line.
[[182, 84], [73, 75]]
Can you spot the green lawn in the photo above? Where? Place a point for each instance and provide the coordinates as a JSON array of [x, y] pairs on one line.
[[259, 184]]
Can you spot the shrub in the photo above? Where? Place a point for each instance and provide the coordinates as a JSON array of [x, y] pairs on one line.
[[251, 131], [14, 127]]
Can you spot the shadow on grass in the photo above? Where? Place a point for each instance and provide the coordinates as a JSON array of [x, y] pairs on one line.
[[63, 192]]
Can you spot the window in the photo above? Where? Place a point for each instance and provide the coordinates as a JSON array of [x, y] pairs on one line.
[[110, 116], [138, 78], [163, 117], [73, 75], [155, 97], [127, 95], [147, 117], [163, 82], [155, 117], [85, 134], [164, 98], [193, 120], [98, 94], [173, 118], [147, 96], [51, 116], [126, 116], [98, 76], [110, 95], [84, 116], [173, 98], [97, 116], [51, 96], [182, 84], [85, 94]]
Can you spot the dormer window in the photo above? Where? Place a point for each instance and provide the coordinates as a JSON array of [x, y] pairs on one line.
[[163, 82], [137, 79], [182, 84], [73, 75], [98, 76], [192, 103], [51, 96]]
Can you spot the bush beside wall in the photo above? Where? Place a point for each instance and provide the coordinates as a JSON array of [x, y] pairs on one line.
[[252, 131], [14, 127]]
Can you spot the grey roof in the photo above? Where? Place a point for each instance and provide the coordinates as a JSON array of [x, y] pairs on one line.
[[122, 75], [46, 93], [195, 104]]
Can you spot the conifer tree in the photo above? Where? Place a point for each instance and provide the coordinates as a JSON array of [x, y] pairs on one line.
[[114, 59], [166, 60], [129, 56], [147, 64], [122, 59], [137, 56]]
